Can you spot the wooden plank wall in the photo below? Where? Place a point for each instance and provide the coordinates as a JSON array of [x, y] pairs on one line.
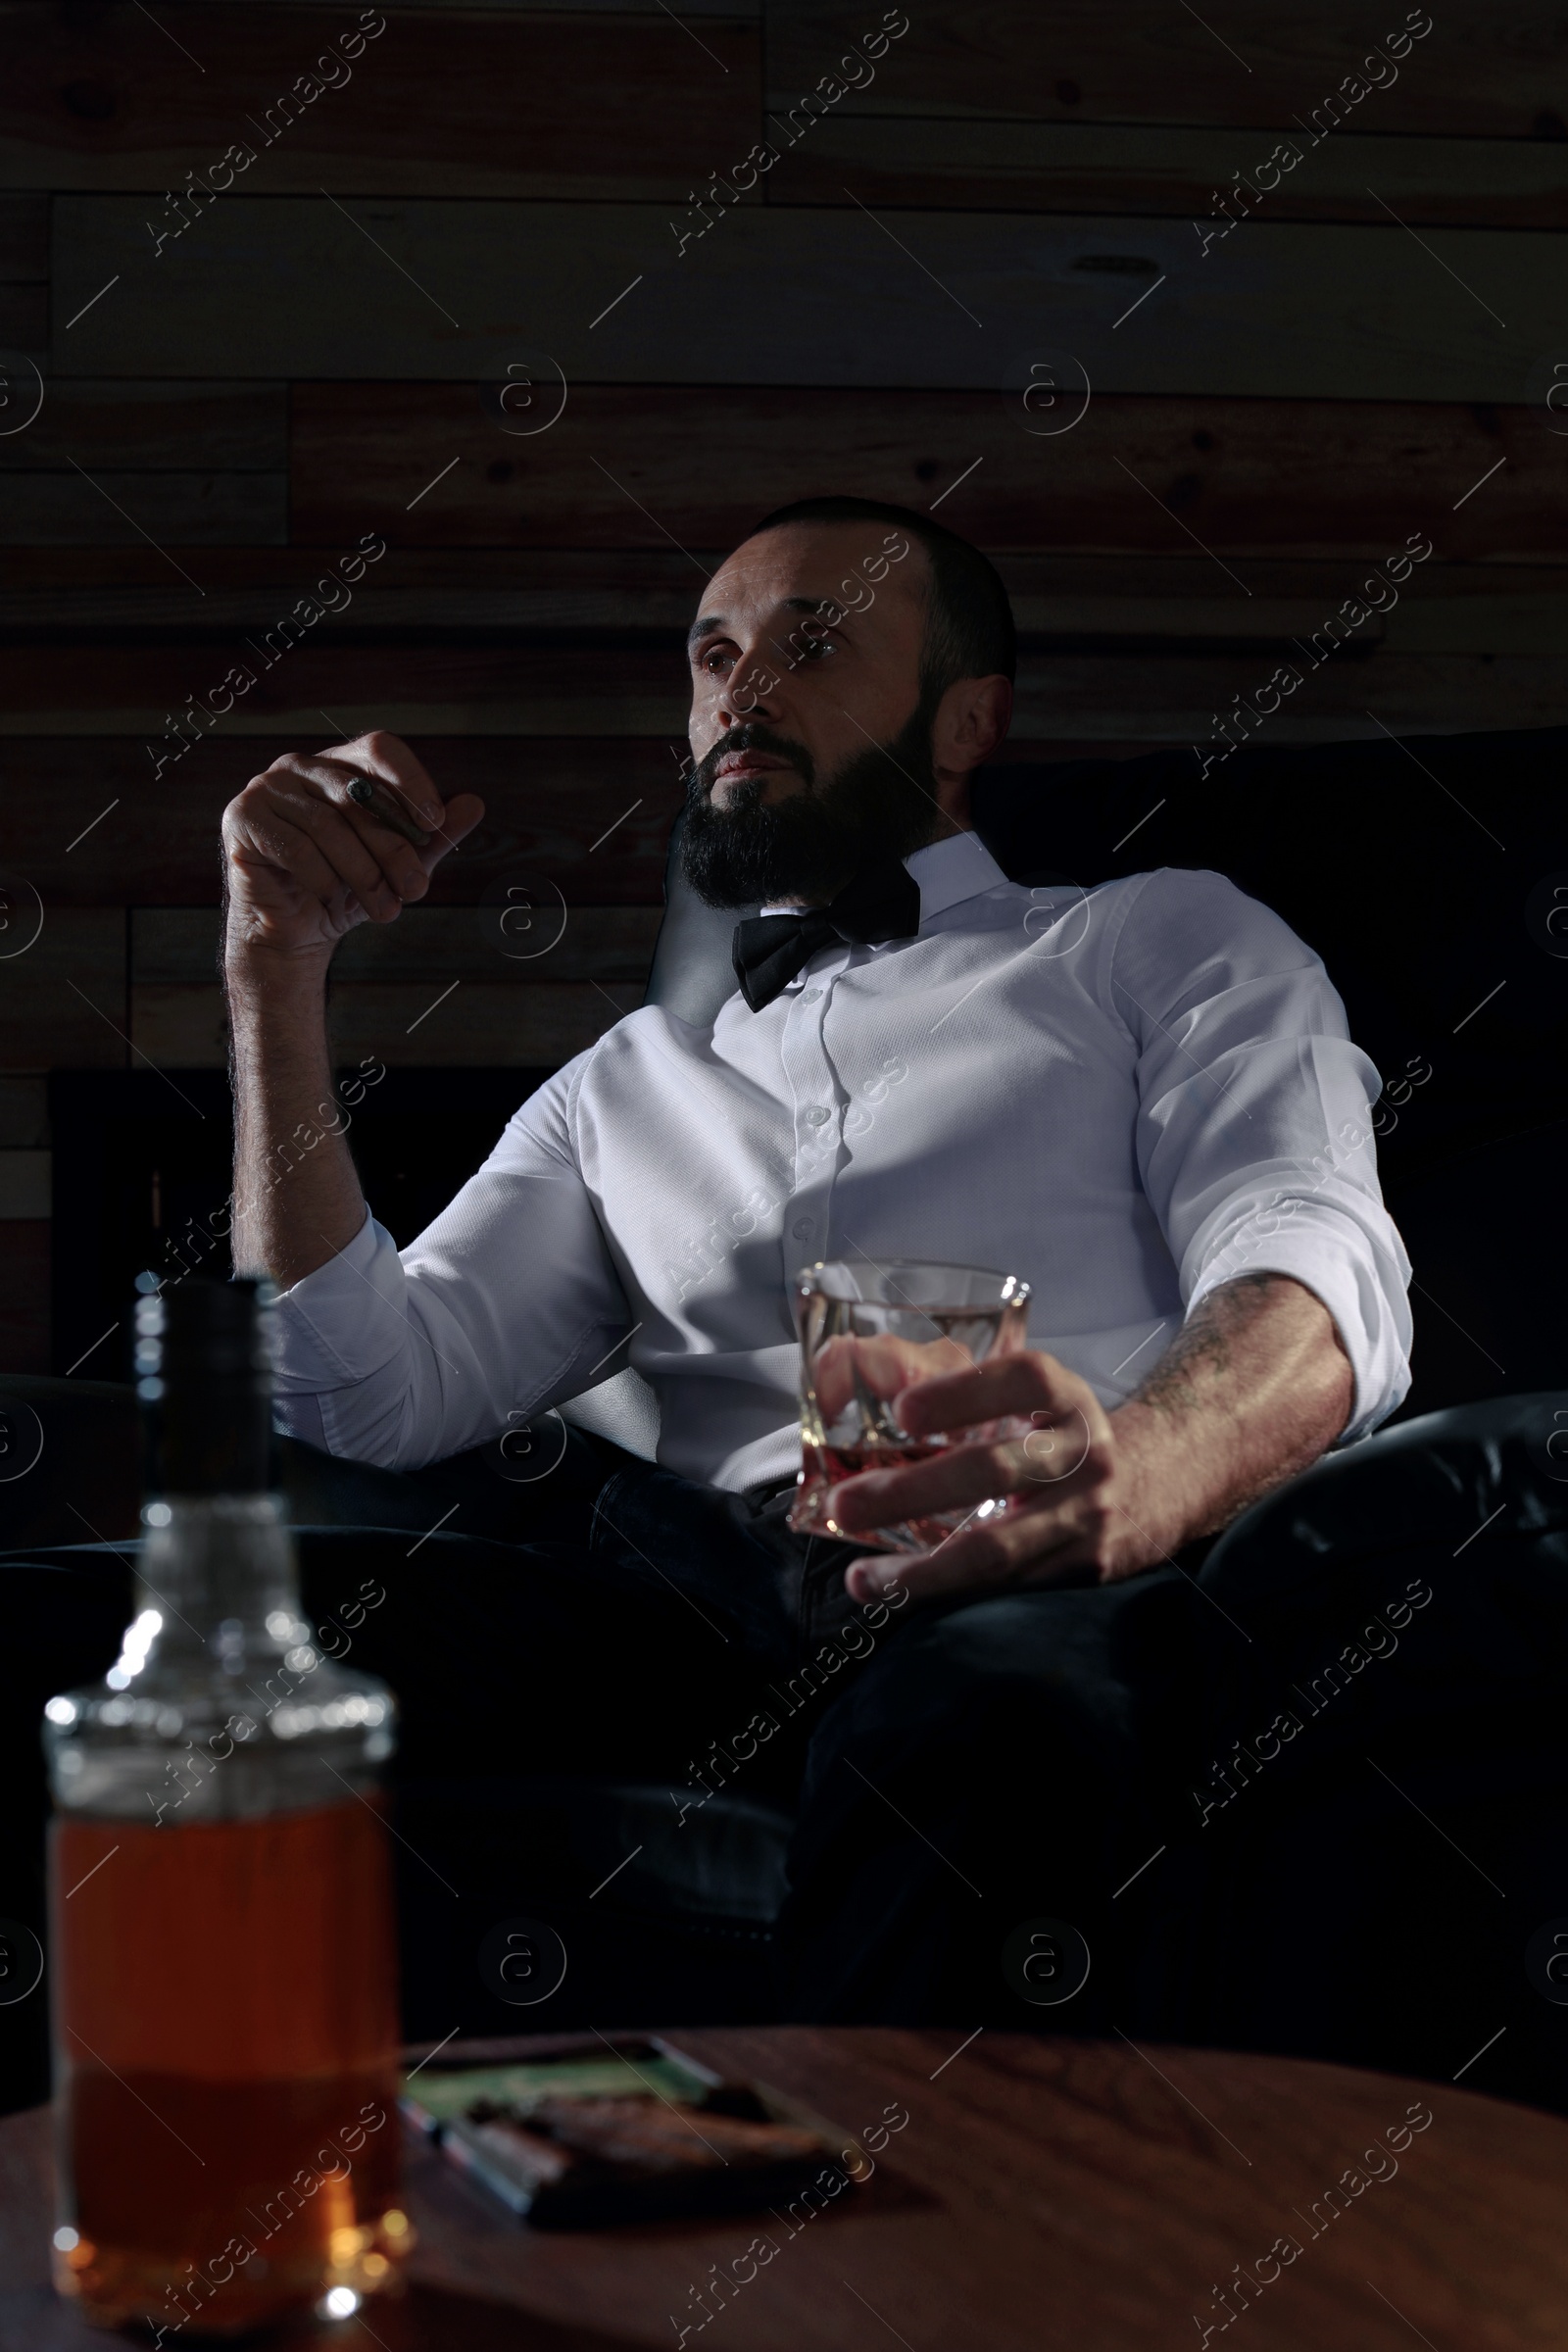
[[269, 266]]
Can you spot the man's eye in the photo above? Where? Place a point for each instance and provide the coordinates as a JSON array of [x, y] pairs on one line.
[[718, 654], [815, 646]]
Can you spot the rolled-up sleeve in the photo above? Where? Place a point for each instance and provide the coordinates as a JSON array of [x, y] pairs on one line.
[[1255, 1128], [501, 1308]]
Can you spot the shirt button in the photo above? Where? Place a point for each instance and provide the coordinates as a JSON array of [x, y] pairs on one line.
[[800, 1228], [817, 1117], [808, 996]]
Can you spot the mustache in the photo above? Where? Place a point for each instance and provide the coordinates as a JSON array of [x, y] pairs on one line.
[[752, 737]]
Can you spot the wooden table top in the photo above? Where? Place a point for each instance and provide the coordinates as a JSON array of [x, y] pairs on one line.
[[1044, 2192]]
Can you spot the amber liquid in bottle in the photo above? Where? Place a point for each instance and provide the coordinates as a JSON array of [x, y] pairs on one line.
[[222, 1952], [230, 2115]]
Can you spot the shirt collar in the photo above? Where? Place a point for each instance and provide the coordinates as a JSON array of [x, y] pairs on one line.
[[952, 870], [948, 872]]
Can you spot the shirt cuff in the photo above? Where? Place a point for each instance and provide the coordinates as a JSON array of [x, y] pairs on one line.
[[345, 1321]]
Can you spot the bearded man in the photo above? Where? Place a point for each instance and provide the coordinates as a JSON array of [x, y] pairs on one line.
[[1138, 1097]]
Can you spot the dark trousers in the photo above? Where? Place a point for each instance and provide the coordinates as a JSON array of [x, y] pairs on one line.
[[966, 1773]]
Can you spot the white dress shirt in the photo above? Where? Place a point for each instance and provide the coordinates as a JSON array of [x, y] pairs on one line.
[[1127, 1095]]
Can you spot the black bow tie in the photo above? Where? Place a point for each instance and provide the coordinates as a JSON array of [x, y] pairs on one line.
[[881, 903]]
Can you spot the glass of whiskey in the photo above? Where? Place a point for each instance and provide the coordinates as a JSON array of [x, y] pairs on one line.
[[868, 1332]]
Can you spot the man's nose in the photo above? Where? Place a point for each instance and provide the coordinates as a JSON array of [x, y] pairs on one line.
[[750, 690]]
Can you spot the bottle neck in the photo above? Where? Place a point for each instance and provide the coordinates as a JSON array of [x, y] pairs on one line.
[[209, 1430], [219, 1573]]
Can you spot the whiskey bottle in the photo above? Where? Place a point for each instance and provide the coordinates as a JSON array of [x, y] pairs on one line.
[[222, 1959]]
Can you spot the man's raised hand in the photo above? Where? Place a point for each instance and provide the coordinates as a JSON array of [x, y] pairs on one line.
[[305, 863]]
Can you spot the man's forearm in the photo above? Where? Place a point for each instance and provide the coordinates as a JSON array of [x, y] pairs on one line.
[[297, 1199], [1253, 1390]]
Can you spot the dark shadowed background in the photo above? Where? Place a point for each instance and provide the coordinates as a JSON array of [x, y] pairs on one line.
[[413, 366]]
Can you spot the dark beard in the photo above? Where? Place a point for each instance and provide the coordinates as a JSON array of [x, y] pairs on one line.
[[881, 803]]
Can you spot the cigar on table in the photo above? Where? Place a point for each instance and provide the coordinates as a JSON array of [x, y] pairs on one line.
[[385, 810]]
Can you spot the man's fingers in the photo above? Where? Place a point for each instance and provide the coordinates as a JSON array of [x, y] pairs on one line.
[[388, 757], [313, 837], [989, 1557], [266, 840], [315, 795], [446, 822], [956, 1478], [1030, 1381], [883, 1363], [949, 1482], [403, 774]]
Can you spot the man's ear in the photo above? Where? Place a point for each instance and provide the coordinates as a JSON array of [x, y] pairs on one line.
[[972, 721]]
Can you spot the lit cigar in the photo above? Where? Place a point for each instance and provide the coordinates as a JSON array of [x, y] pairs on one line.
[[385, 810]]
